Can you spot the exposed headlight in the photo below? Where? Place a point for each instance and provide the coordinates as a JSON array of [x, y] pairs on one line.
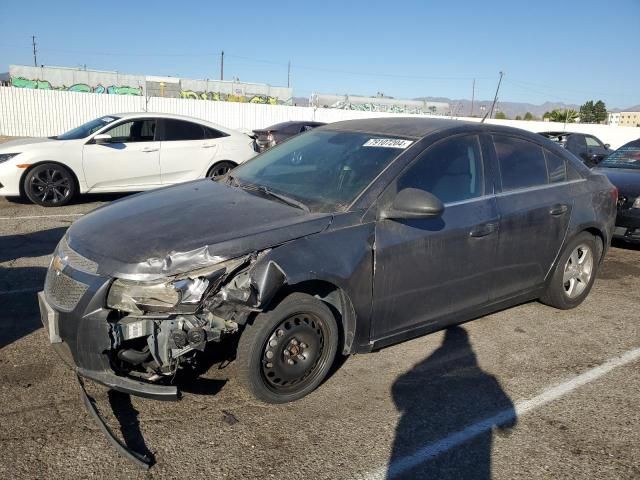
[[166, 295], [636, 203], [7, 156]]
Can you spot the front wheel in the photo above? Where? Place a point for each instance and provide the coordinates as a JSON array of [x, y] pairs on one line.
[[49, 185], [220, 169], [287, 352], [575, 272]]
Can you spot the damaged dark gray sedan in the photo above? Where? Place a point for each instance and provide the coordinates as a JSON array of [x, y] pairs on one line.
[[342, 240]]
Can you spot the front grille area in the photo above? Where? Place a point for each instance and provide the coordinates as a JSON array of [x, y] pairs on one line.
[[75, 260], [62, 291]]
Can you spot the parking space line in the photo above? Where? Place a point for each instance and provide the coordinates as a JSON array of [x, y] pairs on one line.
[[20, 290], [428, 452], [44, 216]]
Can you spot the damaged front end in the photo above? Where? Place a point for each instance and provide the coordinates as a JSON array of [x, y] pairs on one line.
[[161, 326]]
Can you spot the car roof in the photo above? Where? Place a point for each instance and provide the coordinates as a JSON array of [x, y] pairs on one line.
[[418, 127], [173, 117], [632, 143]]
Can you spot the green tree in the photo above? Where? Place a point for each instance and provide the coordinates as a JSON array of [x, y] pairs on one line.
[[518, 117], [546, 115], [599, 112], [529, 116], [587, 112], [501, 116], [569, 116]]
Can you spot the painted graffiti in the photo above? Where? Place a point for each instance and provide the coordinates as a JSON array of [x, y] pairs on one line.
[[21, 82], [225, 97]]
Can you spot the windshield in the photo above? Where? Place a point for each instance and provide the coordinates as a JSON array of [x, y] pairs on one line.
[[86, 129], [325, 170], [627, 156]]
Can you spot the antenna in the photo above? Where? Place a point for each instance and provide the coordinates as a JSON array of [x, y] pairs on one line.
[[495, 99], [35, 58]]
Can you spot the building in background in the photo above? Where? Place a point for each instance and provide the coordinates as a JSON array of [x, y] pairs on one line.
[[379, 104], [629, 119], [613, 118], [115, 83]]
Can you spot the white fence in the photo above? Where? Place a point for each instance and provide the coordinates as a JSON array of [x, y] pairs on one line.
[[42, 113]]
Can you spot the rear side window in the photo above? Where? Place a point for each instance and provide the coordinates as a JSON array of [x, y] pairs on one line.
[[213, 133], [556, 167], [175, 130], [451, 170], [522, 163]]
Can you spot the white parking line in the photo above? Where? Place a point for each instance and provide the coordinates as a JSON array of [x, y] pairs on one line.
[[20, 290], [44, 216], [428, 452]]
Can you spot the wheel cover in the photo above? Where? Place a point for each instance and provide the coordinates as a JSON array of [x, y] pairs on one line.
[[578, 271], [220, 170], [50, 185], [294, 353]]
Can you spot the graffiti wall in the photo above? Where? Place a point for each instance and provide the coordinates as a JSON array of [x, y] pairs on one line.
[[115, 83], [21, 82]]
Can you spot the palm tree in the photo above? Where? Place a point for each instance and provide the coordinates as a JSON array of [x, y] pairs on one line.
[[565, 116]]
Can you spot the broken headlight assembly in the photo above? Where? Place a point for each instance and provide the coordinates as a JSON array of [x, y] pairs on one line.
[[180, 294]]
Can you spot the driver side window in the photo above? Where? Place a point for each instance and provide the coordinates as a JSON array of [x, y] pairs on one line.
[[142, 130], [451, 170]]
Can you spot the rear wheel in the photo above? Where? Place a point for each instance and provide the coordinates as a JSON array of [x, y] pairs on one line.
[[220, 169], [287, 352], [575, 272], [49, 185]]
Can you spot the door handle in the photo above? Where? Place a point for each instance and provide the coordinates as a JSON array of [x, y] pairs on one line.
[[483, 230], [150, 149], [559, 209]]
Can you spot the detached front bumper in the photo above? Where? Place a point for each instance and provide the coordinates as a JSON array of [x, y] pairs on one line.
[[81, 335]]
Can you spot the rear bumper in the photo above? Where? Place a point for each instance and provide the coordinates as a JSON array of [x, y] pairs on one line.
[[628, 225]]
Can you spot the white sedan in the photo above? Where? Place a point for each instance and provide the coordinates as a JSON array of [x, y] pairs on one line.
[[127, 152]]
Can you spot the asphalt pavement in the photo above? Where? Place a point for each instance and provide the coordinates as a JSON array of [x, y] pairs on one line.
[[527, 393]]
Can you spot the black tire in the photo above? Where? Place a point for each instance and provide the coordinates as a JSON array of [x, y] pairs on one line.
[[49, 185], [268, 345], [559, 293], [220, 169]]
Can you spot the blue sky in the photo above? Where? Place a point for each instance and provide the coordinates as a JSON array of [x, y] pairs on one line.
[[567, 51]]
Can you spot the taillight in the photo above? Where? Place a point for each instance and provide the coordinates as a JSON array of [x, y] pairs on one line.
[[271, 139], [614, 194]]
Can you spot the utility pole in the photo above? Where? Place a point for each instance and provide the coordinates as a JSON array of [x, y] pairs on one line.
[[473, 94], [222, 65], [495, 99], [289, 74], [33, 42]]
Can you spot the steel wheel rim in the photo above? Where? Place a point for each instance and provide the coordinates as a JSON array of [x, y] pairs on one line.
[[50, 185], [295, 353], [220, 171], [578, 271]]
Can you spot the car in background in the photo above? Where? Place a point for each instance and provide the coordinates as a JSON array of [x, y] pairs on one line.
[[590, 149], [623, 169], [278, 133], [127, 152]]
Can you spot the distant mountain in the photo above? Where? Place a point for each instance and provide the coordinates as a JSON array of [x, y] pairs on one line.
[[462, 107], [635, 108]]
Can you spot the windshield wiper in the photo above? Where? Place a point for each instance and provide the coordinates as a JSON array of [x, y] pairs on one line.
[[267, 191], [282, 198]]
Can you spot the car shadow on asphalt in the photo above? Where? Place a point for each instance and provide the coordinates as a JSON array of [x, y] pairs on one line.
[[32, 244], [439, 399], [20, 314]]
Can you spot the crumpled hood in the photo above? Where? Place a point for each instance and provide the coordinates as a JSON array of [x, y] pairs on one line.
[[180, 228], [626, 180]]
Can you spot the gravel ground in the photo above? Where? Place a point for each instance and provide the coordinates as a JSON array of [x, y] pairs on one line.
[[375, 409]]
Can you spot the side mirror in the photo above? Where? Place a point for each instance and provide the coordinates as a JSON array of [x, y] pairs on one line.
[[607, 145], [414, 203], [102, 138]]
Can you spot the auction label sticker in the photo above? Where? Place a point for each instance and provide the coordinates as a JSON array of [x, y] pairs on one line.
[[388, 143]]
